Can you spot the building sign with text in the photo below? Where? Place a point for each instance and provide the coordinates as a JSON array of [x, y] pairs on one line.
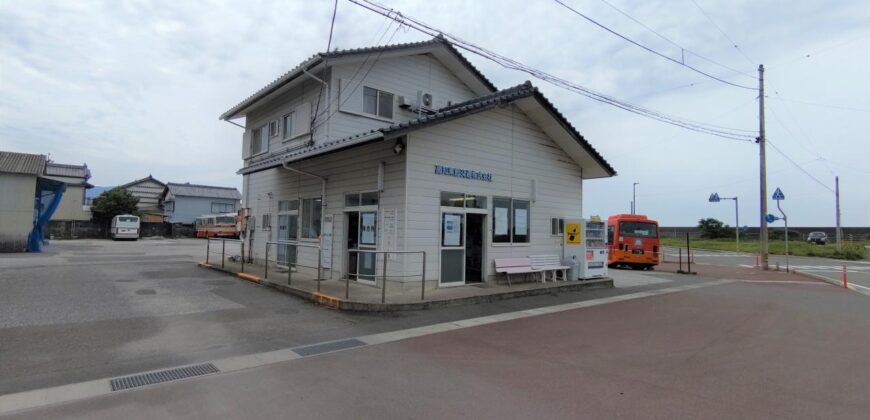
[[463, 173]]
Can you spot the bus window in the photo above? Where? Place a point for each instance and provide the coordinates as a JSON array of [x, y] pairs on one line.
[[638, 229], [609, 234]]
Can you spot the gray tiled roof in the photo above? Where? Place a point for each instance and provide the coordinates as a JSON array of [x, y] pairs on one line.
[[22, 163], [459, 110], [72, 171], [208, 191], [317, 58]]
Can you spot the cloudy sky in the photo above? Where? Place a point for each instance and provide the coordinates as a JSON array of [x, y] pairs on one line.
[[135, 88]]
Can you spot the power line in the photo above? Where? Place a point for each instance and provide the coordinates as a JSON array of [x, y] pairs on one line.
[[328, 46], [596, 23], [683, 49], [842, 107], [799, 166], [731, 133], [734, 44]]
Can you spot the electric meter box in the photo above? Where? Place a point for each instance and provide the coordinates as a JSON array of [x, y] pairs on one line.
[[585, 248]]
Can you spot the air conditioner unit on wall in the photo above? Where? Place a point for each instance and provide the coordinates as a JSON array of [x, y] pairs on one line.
[[424, 100]]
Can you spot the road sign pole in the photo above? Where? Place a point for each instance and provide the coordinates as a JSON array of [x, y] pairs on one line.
[[837, 195], [737, 221], [779, 196]]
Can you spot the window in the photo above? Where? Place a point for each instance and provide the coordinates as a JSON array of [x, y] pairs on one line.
[[223, 207], [468, 201], [311, 211], [288, 205], [377, 102], [638, 229], [273, 128], [369, 198], [610, 234], [266, 223], [288, 125], [260, 140], [169, 206], [557, 226], [510, 220]]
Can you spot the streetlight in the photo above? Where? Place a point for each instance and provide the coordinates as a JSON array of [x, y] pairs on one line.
[[714, 198], [634, 197]]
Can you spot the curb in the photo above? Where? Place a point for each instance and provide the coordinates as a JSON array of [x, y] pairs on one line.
[[334, 302], [834, 282]]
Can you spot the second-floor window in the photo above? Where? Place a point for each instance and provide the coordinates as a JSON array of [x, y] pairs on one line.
[[377, 102], [260, 140], [288, 125], [222, 207]]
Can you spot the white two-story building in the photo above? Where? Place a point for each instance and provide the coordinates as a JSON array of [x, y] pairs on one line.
[[407, 148]]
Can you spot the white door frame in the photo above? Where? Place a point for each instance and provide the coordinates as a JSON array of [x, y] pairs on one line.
[[464, 212]]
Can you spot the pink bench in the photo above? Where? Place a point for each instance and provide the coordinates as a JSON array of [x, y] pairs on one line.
[[510, 266]]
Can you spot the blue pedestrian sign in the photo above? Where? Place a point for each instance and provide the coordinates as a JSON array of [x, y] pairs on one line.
[[714, 198], [771, 218], [778, 195]]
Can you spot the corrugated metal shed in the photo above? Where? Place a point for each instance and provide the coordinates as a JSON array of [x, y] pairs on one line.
[[22, 163], [194, 190], [72, 171]]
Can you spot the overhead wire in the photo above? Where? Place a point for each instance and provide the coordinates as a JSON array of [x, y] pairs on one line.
[[725, 132], [602, 26], [722, 31], [682, 48], [328, 47], [778, 150]]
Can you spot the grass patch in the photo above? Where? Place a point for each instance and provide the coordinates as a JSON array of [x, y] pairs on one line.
[[850, 251]]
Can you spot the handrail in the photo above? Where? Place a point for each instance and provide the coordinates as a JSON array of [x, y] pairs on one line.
[[384, 288], [223, 249], [290, 269]]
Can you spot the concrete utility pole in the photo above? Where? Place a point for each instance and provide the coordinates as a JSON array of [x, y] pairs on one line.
[[837, 195], [634, 197], [762, 170]]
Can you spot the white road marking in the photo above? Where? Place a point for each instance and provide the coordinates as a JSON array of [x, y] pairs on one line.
[[66, 393]]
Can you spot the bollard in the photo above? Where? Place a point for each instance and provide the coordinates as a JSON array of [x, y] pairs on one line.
[[223, 252], [243, 258], [318, 270], [757, 261], [845, 278], [681, 259], [207, 249]]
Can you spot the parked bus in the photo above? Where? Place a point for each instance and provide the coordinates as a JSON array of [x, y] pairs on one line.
[[125, 226], [633, 241], [216, 225]]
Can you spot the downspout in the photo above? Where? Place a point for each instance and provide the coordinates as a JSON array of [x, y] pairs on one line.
[[328, 104]]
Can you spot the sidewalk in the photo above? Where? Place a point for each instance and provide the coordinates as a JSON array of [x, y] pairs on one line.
[[399, 296]]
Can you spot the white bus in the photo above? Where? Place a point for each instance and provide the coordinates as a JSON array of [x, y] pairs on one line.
[[125, 226]]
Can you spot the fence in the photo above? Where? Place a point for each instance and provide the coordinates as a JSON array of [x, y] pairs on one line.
[[293, 263], [218, 246], [384, 277]]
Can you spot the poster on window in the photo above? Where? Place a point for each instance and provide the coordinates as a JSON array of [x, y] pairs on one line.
[[501, 221], [521, 221], [452, 230], [389, 232], [367, 229]]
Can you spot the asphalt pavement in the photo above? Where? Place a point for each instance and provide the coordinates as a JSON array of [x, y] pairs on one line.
[[720, 350], [857, 272], [91, 309]]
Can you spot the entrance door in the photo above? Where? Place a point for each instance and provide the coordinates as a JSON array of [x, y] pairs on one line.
[[452, 249], [287, 224], [362, 235], [474, 238]]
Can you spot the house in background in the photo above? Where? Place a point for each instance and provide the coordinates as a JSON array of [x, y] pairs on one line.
[[72, 207], [148, 190], [183, 203]]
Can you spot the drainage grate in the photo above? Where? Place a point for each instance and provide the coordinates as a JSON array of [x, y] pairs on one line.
[[168, 375], [328, 347]]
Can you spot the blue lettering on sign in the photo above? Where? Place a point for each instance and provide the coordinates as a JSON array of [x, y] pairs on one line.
[[463, 173]]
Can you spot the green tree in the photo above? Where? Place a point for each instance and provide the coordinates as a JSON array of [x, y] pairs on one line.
[[712, 228], [112, 203]]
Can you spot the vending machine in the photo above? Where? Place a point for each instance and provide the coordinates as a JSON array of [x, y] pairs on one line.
[[585, 248]]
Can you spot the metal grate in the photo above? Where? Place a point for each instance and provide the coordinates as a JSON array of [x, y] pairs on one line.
[[168, 375]]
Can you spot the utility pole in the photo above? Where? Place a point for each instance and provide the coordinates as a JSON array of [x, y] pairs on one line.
[[762, 170], [837, 195]]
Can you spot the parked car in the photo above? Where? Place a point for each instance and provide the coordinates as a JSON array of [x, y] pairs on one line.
[[817, 238]]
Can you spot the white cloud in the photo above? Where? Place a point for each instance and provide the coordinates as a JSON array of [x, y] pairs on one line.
[[136, 87]]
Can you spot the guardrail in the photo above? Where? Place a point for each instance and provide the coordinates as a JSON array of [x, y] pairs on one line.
[[223, 250], [384, 277], [295, 260]]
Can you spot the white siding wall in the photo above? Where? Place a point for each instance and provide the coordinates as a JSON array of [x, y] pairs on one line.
[[510, 146], [347, 171], [402, 76]]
